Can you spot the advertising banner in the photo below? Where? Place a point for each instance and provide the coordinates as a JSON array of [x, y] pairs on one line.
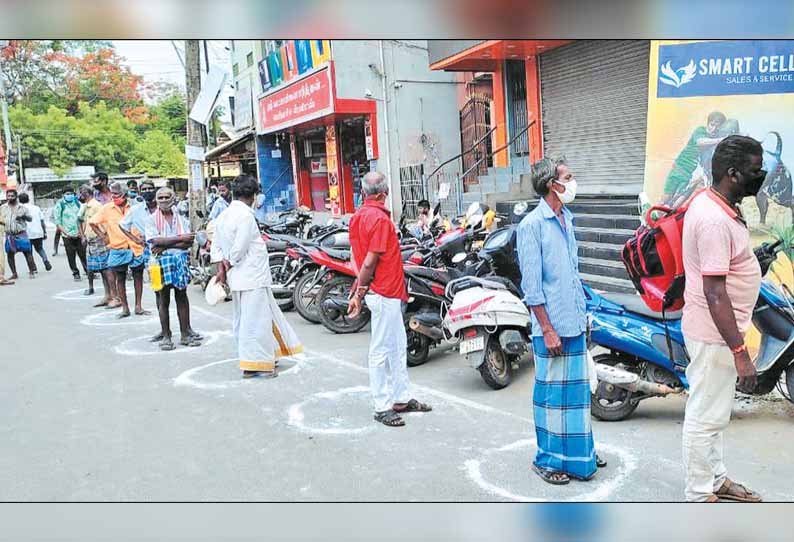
[[701, 92], [302, 100]]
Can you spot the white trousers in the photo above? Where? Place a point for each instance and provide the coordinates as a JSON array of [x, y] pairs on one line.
[[388, 368], [712, 384]]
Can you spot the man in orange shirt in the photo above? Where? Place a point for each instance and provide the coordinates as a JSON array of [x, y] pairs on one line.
[[122, 253]]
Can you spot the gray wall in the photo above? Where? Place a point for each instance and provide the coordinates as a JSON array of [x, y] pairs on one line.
[[422, 104]]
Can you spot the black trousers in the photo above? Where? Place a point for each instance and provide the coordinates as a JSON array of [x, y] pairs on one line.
[[74, 248], [38, 246]]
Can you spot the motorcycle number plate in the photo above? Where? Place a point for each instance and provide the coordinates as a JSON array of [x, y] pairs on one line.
[[472, 345]]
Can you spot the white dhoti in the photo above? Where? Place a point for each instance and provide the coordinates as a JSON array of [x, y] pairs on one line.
[[388, 355], [261, 332]]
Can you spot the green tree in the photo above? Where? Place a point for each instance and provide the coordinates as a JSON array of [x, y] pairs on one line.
[[96, 136], [156, 154], [169, 115]]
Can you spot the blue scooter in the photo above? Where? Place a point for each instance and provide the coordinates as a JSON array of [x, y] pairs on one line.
[[647, 356]]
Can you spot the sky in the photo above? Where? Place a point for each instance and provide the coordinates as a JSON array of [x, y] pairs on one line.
[[156, 60]]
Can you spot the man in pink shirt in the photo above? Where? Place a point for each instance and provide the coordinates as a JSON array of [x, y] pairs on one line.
[[723, 278]]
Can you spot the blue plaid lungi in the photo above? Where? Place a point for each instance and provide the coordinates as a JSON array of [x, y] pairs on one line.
[[175, 269], [97, 257], [17, 243], [122, 258], [561, 401]]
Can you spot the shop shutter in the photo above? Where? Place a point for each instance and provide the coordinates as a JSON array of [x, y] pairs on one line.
[[594, 96]]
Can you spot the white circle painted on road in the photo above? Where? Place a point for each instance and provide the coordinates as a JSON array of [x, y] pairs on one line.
[[142, 346], [331, 425], [105, 317], [600, 488], [190, 377], [77, 294]]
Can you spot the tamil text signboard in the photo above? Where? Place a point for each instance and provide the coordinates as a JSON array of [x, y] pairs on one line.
[[303, 100]]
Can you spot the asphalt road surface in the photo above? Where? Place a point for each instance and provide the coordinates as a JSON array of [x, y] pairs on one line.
[[93, 411]]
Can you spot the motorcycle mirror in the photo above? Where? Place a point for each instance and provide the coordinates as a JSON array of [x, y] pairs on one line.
[[459, 257], [520, 208]]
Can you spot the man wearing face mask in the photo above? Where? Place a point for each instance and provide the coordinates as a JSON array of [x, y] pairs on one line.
[[96, 251], [15, 218], [723, 278], [223, 200], [123, 254], [102, 194], [547, 253], [169, 236], [66, 219], [381, 285]]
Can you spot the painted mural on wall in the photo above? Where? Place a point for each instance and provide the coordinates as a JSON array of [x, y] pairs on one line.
[[701, 92]]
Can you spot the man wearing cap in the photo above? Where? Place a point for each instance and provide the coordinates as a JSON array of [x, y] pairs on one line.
[[15, 218], [123, 253]]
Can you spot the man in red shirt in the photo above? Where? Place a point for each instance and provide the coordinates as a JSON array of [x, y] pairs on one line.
[[381, 283]]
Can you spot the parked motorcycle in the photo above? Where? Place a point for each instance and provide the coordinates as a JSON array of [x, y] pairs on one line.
[[487, 313], [647, 356]]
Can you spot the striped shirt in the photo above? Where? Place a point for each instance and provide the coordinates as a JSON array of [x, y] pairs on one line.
[[549, 263]]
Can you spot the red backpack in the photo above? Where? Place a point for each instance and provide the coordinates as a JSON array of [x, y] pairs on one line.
[[654, 260]]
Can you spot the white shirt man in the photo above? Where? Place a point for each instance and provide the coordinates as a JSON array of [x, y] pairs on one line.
[[260, 329]]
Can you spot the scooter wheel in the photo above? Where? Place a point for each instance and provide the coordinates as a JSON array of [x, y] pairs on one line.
[[284, 300], [611, 404], [304, 298], [337, 320], [790, 382], [418, 348], [496, 370]]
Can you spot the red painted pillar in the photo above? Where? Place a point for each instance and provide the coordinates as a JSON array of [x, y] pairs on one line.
[[500, 135], [533, 110]]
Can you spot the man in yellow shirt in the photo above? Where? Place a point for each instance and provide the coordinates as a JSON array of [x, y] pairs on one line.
[[97, 252], [123, 254]]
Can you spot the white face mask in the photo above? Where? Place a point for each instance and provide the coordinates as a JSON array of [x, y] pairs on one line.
[[568, 195]]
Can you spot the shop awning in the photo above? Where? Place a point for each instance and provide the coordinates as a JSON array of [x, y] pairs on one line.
[[485, 56], [225, 147]]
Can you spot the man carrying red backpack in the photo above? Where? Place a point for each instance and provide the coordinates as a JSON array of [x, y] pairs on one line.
[[723, 278]]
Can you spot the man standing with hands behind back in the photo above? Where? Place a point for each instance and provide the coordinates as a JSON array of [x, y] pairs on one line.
[[723, 278], [381, 283]]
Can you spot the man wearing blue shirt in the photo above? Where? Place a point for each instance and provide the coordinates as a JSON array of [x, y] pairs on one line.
[[222, 203], [553, 291]]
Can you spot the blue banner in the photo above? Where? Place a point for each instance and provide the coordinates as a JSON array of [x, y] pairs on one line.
[[726, 68]]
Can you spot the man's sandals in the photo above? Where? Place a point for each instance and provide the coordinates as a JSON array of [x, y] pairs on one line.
[[735, 492], [558, 478], [392, 418]]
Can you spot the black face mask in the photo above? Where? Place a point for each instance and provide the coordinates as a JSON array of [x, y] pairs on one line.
[[228, 197], [148, 197], [752, 185]]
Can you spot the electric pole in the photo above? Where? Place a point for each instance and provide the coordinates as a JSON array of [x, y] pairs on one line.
[[4, 105], [195, 136]]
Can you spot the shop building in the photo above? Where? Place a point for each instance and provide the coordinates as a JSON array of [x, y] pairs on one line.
[[324, 113], [589, 103]]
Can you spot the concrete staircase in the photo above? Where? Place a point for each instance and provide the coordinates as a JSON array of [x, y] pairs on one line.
[[602, 226], [498, 184]]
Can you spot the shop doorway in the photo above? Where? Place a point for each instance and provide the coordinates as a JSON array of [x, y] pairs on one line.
[[355, 164], [516, 97]]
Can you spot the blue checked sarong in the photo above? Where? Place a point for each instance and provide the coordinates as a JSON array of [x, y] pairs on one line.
[[175, 269], [561, 402], [97, 257], [125, 257]]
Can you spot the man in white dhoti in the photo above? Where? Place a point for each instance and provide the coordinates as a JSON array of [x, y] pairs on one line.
[[262, 333]]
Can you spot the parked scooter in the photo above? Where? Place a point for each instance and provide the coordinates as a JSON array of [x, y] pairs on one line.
[[487, 313], [643, 363]]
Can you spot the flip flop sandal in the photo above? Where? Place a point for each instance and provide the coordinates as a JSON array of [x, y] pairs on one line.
[[600, 463], [157, 338], [166, 345], [102, 303], [412, 406], [111, 306], [143, 312], [123, 315], [260, 374], [389, 418], [189, 341], [728, 492], [552, 477], [197, 336]]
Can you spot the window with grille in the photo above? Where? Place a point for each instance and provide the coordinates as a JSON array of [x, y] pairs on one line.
[[235, 70], [249, 59]]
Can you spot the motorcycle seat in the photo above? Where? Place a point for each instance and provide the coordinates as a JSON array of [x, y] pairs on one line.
[[634, 303], [276, 246], [436, 275], [337, 254]]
